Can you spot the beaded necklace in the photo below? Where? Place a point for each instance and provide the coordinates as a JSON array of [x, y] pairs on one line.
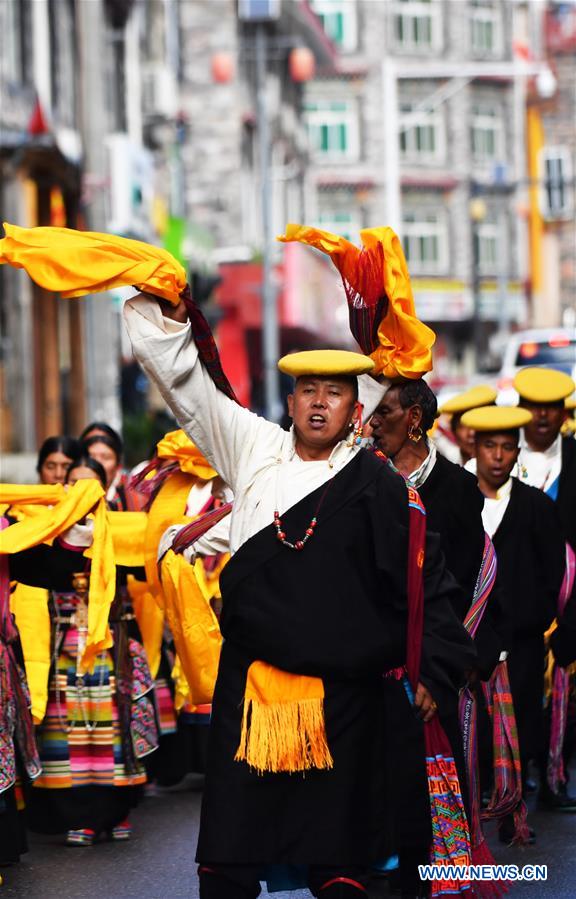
[[299, 545]]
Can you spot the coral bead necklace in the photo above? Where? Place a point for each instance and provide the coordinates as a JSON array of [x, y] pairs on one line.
[[299, 545]]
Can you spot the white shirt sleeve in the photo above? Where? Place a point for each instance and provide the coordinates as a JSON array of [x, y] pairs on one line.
[[224, 431], [216, 540]]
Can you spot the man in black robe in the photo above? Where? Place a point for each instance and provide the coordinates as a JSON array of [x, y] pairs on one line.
[[316, 587], [524, 527], [399, 426]]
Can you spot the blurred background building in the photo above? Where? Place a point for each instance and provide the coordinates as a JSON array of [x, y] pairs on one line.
[[451, 121]]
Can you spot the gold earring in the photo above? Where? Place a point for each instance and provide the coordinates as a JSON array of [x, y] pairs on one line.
[[415, 434]]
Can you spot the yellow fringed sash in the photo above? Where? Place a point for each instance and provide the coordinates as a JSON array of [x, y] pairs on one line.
[[283, 725]]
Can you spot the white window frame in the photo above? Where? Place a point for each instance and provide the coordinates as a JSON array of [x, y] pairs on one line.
[[411, 12], [347, 9], [561, 155], [484, 118], [484, 14], [413, 128], [492, 244], [332, 220], [325, 116], [418, 234]]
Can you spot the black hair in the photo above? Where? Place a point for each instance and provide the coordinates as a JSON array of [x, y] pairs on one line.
[[102, 428], [114, 445], [513, 432], [417, 393], [69, 446], [86, 461]]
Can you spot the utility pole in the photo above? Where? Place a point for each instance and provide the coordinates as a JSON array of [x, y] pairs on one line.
[[270, 337]]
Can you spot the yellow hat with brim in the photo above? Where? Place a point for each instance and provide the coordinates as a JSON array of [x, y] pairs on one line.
[[482, 395], [338, 363], [543, 385], [496, 418]]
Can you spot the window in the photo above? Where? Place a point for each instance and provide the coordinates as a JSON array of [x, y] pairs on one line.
[[345, 223], [339, 21], [421, 134], [17, 57], [333, 129], [491, 244], [425, 242], [487, 134], [485, 29], [416, 24], [556, 185]]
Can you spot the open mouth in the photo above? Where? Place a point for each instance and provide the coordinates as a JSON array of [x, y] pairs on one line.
[[317, 421]]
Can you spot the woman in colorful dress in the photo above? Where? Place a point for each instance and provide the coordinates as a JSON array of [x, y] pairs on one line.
[[98, 725]]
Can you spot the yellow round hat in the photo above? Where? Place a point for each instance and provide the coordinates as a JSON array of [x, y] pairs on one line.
[[325, 362], [543, 385], [496, 418], [482, 395]]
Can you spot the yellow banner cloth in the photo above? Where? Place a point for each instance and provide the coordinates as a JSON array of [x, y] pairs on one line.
[[177, 445], [193, 624], [128, 536], [283, 722], [169, 507], [31, 494], [75, 263], [150, 618], [30, 608], [86, 496], [405, 342]]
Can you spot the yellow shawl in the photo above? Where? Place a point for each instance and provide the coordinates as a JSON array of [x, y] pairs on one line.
[[75, 263], [85, 497], [405, 342]]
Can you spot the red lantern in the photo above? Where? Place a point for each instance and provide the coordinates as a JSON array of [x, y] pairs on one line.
[[222, 68], [301, 64]]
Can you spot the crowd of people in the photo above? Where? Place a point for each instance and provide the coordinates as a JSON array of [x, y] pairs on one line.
[[361, 629]]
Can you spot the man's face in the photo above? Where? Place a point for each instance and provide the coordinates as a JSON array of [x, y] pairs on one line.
[[496, 455], [389, 424], [465, 439], [322, 409], [546, 422]]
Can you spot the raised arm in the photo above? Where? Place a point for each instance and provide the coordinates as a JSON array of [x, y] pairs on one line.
[[223, 430]]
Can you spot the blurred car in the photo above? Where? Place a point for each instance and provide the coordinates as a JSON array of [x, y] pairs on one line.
[[543, 347]]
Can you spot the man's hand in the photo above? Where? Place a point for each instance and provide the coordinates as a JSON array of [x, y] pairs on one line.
[[176, 313], [424, 705]]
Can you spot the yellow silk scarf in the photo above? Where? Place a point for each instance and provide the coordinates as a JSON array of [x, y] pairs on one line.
[[150, 618], [30, 608], [75, 263], [405, 342], [177, 446], [85, 497], [193, 624]]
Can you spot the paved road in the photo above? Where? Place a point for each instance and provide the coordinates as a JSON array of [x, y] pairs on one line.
[[158, 863]]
